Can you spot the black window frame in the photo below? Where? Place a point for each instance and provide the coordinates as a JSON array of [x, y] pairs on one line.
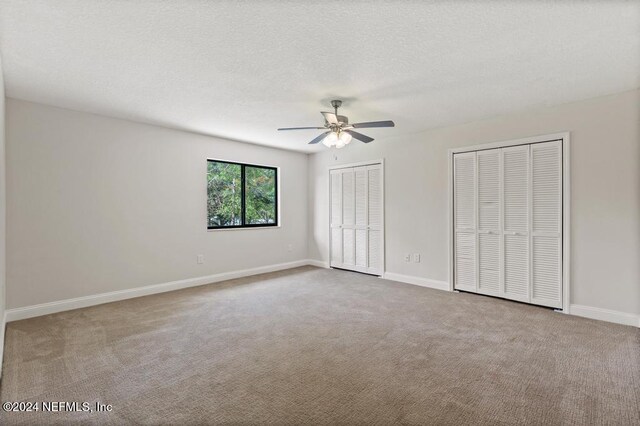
[[243, 194]]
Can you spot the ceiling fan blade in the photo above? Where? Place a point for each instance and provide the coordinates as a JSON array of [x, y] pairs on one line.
[[300, 128], [330, 117], [319, 138], [387, 123], [359, 136]]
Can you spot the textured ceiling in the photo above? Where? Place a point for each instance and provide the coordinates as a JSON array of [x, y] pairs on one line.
[[241, 69]]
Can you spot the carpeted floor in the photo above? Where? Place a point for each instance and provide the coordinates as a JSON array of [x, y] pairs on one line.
[[316, 346]]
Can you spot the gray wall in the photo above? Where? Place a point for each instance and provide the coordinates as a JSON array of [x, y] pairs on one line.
[[98, 204], [605, 189]]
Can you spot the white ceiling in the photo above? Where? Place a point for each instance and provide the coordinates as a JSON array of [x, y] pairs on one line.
[[241, 69]]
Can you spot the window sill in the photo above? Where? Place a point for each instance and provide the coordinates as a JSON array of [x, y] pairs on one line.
[[246, 228]]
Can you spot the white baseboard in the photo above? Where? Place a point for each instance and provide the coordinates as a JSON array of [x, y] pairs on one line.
[[605, 315], [578, 310], [113, 296], [422, 282], [97, 299], [318, 263]]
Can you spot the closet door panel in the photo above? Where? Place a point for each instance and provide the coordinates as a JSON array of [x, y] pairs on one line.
[[546, 240], [515, 162], [546, 271], [489, 190], [464, 175], [374, 189], [489, 222], [375, 252], [348, 198], [465, 267], [515, 183], [516, 267], [336, 198], [546, 176], [336, 247], [348, 217], [489, 264], [374, 219], [360, 176], [336, 217], [465, 189], [348, 247], [361, 248]]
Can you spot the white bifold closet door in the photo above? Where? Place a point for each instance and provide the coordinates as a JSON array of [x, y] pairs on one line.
[[489, 230], [356, 219], [508, 222], [546, 224], [515, 227], [465, 220]]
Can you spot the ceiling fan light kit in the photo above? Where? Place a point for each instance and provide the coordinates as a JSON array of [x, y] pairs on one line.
[[339, 132], [339, 140]]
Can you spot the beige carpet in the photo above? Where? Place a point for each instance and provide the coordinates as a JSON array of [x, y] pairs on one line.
[[315, 346]]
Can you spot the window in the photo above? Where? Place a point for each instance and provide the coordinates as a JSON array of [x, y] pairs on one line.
[[241, 195]]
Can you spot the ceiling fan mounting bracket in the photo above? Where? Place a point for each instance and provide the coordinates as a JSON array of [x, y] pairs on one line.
[[342, 120]]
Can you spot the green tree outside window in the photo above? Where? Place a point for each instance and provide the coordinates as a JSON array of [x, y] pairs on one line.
[[241, 195]]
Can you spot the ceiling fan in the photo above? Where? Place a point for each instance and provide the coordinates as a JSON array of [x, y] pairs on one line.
[[338, 130]]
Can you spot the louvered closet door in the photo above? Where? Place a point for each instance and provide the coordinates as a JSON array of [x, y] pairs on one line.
[[375, 230], [546, 224], [348, 218], [515, 224], [357, 219], [336, 218], [489, 263], [360, 176], [464, 181]]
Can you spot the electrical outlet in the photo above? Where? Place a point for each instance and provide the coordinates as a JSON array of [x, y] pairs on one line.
[[200, 259], [416, 257], [407, 258]]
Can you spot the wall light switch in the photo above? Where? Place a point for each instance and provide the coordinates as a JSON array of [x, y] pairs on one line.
[[200, 258], [416, 257]]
